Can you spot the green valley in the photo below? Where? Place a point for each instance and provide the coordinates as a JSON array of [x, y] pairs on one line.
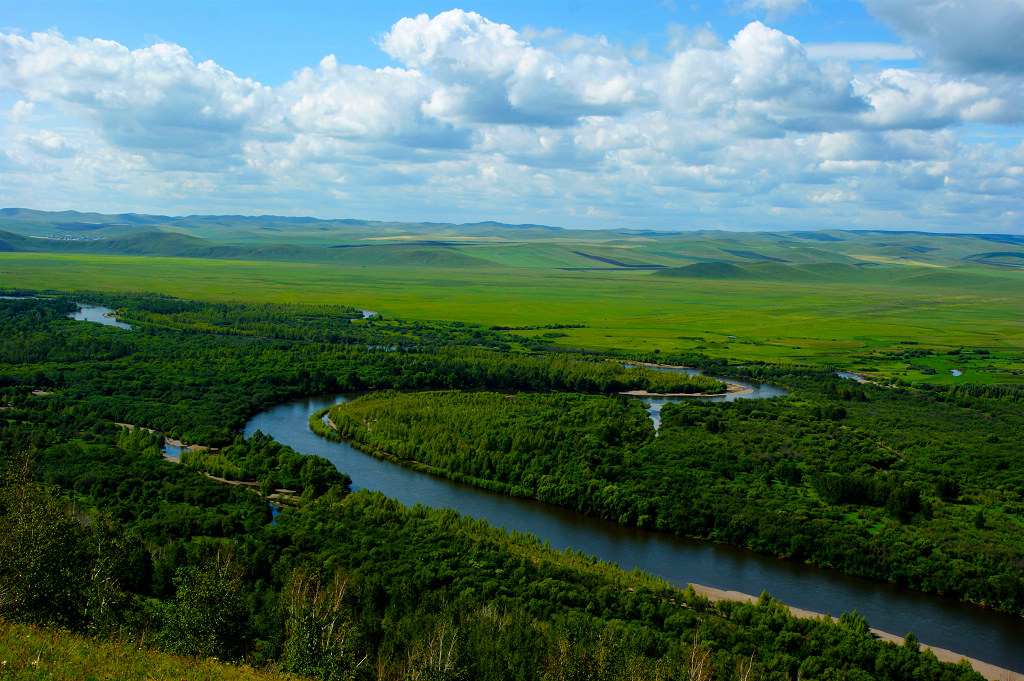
[[495, 355]]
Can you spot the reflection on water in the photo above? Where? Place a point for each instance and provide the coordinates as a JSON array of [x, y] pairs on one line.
[[97, 313]]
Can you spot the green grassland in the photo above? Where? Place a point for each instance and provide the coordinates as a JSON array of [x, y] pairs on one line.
[[31, 652], [892, 304], [858, 320]]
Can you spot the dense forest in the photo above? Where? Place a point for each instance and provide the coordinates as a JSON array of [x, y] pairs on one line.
[[101, 534], [197, 383], [356, 586], [876, 482]]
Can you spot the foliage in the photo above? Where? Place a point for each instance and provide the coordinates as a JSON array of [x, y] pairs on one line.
[[484, 437], [42, 551], [858, 478], [200, 567], [208, 616], [273, 465]]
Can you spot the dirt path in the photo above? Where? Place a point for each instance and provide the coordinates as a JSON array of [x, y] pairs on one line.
[[989, 671]]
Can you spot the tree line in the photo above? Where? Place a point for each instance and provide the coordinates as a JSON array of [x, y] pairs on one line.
[[859, 478]]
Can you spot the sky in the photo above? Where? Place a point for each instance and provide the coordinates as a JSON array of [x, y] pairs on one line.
[[662, 114]]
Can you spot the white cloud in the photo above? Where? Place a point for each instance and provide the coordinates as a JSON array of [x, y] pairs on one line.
[[483, 121], [356, 102], [835, 196], [21, 111], [488, 73], [157, 101], [967, 35], [48, 143], [762, 84], [902, 98]]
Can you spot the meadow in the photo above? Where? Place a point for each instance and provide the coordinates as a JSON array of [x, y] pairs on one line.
[[864, 463], [898, 321]]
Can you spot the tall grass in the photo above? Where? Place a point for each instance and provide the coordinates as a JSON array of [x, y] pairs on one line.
[[31, 652]]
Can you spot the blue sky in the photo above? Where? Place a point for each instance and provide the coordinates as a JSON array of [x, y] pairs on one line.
[[745, 114]]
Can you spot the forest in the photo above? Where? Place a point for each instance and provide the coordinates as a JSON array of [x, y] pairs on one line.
[[871, 481], [102, 535]]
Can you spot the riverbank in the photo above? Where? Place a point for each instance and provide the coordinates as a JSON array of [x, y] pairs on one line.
[[169, 441], [731, 389], [279, 496], [940, 621], [989, 671]]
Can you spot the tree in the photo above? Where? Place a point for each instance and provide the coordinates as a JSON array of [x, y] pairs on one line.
[[43, 553], [210, 614], [317, 626]]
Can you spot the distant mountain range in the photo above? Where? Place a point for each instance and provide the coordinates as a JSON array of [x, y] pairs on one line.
[[785, 255]]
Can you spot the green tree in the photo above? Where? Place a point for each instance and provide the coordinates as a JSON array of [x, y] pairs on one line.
[[317, 627], [210, 614], [43, 553]]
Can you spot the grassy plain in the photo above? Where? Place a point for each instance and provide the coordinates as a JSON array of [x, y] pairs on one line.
[[849, 317]]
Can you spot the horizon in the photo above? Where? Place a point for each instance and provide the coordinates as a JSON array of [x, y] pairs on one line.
[[659, 232], [747, 115]]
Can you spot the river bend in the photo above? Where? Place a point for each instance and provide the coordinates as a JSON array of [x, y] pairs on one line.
[[997, 638]]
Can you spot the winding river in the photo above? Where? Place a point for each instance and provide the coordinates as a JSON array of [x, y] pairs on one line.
[[996, 638]]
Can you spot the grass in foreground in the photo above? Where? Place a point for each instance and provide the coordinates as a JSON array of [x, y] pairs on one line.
[[31, 652]]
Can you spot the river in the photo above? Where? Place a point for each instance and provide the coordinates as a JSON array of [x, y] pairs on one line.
[[96, 313], [752, 390], [997, 638], [945, 623]]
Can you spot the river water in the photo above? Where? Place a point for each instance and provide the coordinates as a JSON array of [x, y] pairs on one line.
[[752, 390], [96, 313], [969, 630], [996, 638]]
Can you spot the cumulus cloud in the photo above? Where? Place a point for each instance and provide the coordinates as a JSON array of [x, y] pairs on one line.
[[48, 143], [488, 73], [763, 83], [157, 100], [479, 119], [967, 35], [21, 111], [356, 102]]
